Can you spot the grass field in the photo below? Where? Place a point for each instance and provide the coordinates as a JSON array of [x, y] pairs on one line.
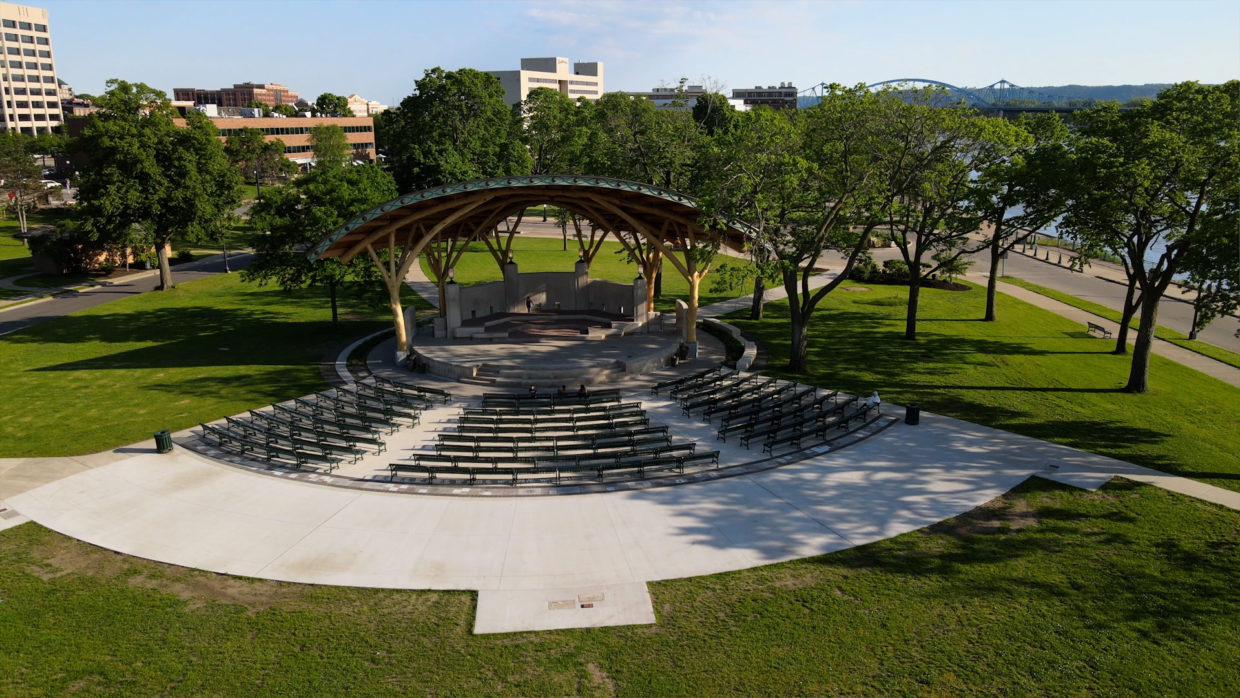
[[1047, 590], [110, 375], [1129, 591], [14, 254], [1031, 372], [1230, 358]]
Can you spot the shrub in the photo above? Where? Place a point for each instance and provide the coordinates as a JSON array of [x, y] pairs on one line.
[[864, 269], [896, 269]]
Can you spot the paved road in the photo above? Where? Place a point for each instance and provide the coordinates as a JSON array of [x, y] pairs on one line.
[[23, 316], [1092, 285]]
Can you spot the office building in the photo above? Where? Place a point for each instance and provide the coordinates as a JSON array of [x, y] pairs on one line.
[[782, 97], [583, 80], [239, 95], [28, 76], [294, 132]]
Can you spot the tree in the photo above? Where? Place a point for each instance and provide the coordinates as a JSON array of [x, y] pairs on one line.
[[284, 110], [328, 104], [631, 139], [330, 145], [807, 183], [714, 113], [933, 181], [455, 127], [1010, 192], [296, 218], [553, 130], [21, 175], [146, 172], [255, 157], [758, 174], [1156, 187]]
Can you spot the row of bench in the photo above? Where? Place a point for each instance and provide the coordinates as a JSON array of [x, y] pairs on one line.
[[409, 388], [818, 427], [677, 382], [600, 468], [323, 430], [269, 448], [595, 397]]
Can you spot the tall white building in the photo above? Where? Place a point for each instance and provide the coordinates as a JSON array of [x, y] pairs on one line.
[[583, 80], [28, 73]]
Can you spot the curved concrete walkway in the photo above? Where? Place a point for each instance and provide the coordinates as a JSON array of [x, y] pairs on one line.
[[549, 562]]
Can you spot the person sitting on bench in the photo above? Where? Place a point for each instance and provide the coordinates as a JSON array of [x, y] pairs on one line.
[[581, 392]]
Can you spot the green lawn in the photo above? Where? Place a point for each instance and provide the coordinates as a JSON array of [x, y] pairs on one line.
[[1031, 372], [14, 254], [1046, 591], [611, 264], [113, 374], [1230, 358]]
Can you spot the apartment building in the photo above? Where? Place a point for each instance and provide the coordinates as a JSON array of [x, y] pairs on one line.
[[581, 80], [31, 102]]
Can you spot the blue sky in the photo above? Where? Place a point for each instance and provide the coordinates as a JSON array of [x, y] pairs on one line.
[[377, 48]]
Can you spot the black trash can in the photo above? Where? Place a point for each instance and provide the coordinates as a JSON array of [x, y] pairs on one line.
[[912, 414], [163, 441]]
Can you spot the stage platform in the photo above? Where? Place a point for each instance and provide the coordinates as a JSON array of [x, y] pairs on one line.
[[546, 361], [562, 324]]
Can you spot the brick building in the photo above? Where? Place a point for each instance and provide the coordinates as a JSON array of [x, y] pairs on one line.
[[239, 95]]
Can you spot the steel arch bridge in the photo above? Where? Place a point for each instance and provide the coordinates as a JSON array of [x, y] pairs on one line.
[[996, 96]]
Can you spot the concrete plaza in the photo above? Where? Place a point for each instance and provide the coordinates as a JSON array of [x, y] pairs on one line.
[[553, 561]]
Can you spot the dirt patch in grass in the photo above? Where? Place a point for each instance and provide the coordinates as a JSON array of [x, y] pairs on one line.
[[600, 680], [1001, 515], [200, 589], [66, 556]]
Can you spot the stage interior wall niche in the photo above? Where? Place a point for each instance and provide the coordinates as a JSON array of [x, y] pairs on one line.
[[546, 292]]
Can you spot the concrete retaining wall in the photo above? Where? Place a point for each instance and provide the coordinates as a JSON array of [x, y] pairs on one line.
[[751, 350]]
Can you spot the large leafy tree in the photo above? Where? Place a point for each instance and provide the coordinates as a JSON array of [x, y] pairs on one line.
[[20, 173], [328, 104], [807, 184], [293, 219], [714, 113], [455, 127], [631, 139], [932, 182], [255, 157], [1010, 193], [330, 146], [1156, 187], [555, 130], [146, 171]]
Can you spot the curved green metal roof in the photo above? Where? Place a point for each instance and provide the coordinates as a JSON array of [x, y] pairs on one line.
[[645, 203]]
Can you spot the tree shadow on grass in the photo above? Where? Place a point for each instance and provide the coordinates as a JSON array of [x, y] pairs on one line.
[[1096, 558], [1107, 437], [192, 336], [261, 385]]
